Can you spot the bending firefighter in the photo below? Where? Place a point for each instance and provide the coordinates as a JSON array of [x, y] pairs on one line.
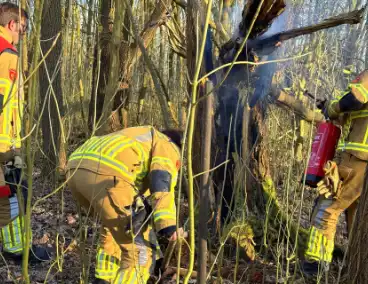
[[119, 177], [342, 186], [13, 23]]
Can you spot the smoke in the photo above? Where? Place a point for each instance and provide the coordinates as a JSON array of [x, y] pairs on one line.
[[264, 73], [229, 96], [232, 94], [236, 15]]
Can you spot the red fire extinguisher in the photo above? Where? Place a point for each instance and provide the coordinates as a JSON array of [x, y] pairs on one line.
[[323, 150]]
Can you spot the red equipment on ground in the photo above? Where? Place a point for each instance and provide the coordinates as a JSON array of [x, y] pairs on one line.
[[323, 150]]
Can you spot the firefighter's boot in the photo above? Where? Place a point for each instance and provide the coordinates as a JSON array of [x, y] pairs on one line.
[[39, 254], [309, 268], [313, 269], [36, 254]]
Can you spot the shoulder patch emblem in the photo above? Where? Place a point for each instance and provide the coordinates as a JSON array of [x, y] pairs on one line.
[[12, 74], [356, 80], [178, 164], [360, 76]]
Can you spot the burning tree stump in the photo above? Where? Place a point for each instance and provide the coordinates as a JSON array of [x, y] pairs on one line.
[[240, 129], [250, 144]]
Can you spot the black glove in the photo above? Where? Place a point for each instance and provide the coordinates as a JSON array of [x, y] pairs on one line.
[[139, 217], [12, 178], [321, 103]]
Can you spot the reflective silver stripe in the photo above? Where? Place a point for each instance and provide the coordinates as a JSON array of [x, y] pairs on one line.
[[142, 255], [121, 276], [146, 137], [14, 207], [318, 220]]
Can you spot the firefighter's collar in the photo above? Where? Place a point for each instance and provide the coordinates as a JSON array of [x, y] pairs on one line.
[[6, 34]]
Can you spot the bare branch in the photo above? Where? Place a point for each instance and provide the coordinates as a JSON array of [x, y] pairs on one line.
[[351, 18]]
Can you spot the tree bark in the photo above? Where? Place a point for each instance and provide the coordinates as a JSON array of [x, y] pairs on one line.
[[205, 183], [113, 74], [123, 97], [100, 67], [51, 92], [131, 54]]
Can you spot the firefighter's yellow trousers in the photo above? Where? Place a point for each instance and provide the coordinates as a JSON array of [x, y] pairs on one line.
[[120, 258], [12, 236], [327, 210], [11, 224]]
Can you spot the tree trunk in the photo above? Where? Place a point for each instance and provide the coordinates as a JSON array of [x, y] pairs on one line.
[[108, 124], [123, 97], [51, 92], [205, 182], [100, 67], [88, 61], [131, 54]]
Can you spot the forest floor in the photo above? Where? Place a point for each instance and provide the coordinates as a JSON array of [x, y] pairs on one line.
[[50, 223]]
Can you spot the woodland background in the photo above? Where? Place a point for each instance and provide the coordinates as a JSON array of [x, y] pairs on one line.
[[95, 66]]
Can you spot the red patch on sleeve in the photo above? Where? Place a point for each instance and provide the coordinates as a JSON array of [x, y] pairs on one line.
[[12, 74], [178, 165]]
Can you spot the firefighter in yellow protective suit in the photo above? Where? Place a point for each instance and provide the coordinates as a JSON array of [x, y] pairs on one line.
[[13, 25], [10, 119], [116, 177], [351, 111]]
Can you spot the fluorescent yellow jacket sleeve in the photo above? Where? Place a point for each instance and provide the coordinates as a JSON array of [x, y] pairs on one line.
[[163, 175]]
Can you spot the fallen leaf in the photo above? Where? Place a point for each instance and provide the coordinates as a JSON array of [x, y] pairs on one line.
[[71, 220]]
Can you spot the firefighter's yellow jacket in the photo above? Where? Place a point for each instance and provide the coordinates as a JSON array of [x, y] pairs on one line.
[[151, 155], [11, 94], [351, 109]]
